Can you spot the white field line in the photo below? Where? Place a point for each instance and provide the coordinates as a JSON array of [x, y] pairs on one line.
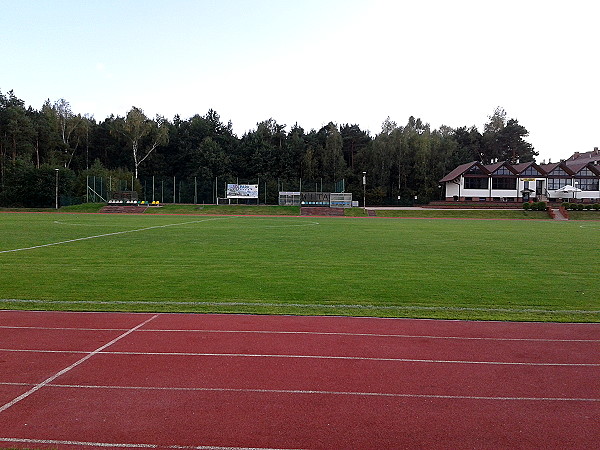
[[122, 445], [72, 366], [317, 392], [304, 306], [323, 357], [105, 235], [310, 333]]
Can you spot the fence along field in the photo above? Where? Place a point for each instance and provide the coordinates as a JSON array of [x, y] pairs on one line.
[[468, 269]]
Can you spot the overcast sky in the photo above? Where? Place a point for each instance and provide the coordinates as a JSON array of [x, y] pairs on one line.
[[315, 61]]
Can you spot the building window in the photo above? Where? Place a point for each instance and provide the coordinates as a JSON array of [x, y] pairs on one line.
[[586, 173], [476, 183], [504, 183], [531, 171], [476, 170], [587, 184], [558, 172], [557, 183], [503, 171]]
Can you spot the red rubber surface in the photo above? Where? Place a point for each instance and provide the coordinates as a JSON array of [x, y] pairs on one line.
[[288, 382]]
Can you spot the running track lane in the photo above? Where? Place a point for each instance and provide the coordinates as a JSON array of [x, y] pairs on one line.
[[225, 381]]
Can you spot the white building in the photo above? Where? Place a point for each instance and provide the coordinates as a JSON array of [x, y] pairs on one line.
[[575, 180]]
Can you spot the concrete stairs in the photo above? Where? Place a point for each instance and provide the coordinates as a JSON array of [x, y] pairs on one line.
[[321, 211], [557, 214], [123, 209]]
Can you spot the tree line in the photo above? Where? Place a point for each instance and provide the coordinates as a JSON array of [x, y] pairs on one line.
[[401, 161]]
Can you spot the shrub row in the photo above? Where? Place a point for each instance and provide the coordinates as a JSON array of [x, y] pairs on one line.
[[536, 206], [581, 206]]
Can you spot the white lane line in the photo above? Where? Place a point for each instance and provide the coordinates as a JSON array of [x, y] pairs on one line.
[[317, 392], [406, 336], [28, 350], [72, 366], [122, 445], [311, 333], [15, 327], [353, 358], [325, 357], [105, 235]]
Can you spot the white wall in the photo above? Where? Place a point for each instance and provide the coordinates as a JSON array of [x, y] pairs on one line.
[[451, 189]]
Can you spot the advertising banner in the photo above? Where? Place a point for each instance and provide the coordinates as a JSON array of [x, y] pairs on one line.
[[242, 191]]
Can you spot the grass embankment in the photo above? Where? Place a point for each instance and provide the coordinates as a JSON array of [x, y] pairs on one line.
[[476, 269], [226, 210], [466, 214], [274, 210], [584, 215]]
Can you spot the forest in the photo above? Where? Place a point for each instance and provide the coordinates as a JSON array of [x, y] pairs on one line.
[[190, 160]]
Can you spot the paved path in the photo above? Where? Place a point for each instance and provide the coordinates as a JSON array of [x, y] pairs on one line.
[[558, 215]]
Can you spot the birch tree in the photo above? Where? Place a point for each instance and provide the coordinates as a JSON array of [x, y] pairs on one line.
[[143, 134]]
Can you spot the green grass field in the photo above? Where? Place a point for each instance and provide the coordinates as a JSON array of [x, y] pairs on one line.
[[438, 268]]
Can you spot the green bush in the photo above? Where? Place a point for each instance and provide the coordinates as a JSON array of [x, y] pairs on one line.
[[588, 207], [596, 206], [537, 206], [580, 207]]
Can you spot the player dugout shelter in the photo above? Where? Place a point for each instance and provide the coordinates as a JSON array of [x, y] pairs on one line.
[[322, 199]]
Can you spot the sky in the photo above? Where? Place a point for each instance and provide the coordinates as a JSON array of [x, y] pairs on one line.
[[312, 62]]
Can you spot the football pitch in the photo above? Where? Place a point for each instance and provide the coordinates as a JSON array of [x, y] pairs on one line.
[[431, 268]]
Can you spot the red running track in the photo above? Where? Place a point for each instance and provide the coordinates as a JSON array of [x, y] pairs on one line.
[[125, 380]]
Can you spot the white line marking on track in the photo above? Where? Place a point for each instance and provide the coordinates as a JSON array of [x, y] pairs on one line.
[[311, 333], [121, 445], [106, 234], [347, 358], [25, 350], [14, 327], [407, 336], [317, 392], [72, 366]]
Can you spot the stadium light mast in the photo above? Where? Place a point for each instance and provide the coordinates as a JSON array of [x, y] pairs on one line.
[[365, 191], [56, 189]]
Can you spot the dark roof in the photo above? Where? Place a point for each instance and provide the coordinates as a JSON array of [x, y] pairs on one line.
[[493, 167], [524, 166], [577, 167], [548, 168], [580, 158], [460, 170]]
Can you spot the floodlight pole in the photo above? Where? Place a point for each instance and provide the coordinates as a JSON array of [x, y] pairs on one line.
[[365, 191], [56, 190]]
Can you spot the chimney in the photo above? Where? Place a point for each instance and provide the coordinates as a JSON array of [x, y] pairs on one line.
[[596, 151], [575, 155]]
